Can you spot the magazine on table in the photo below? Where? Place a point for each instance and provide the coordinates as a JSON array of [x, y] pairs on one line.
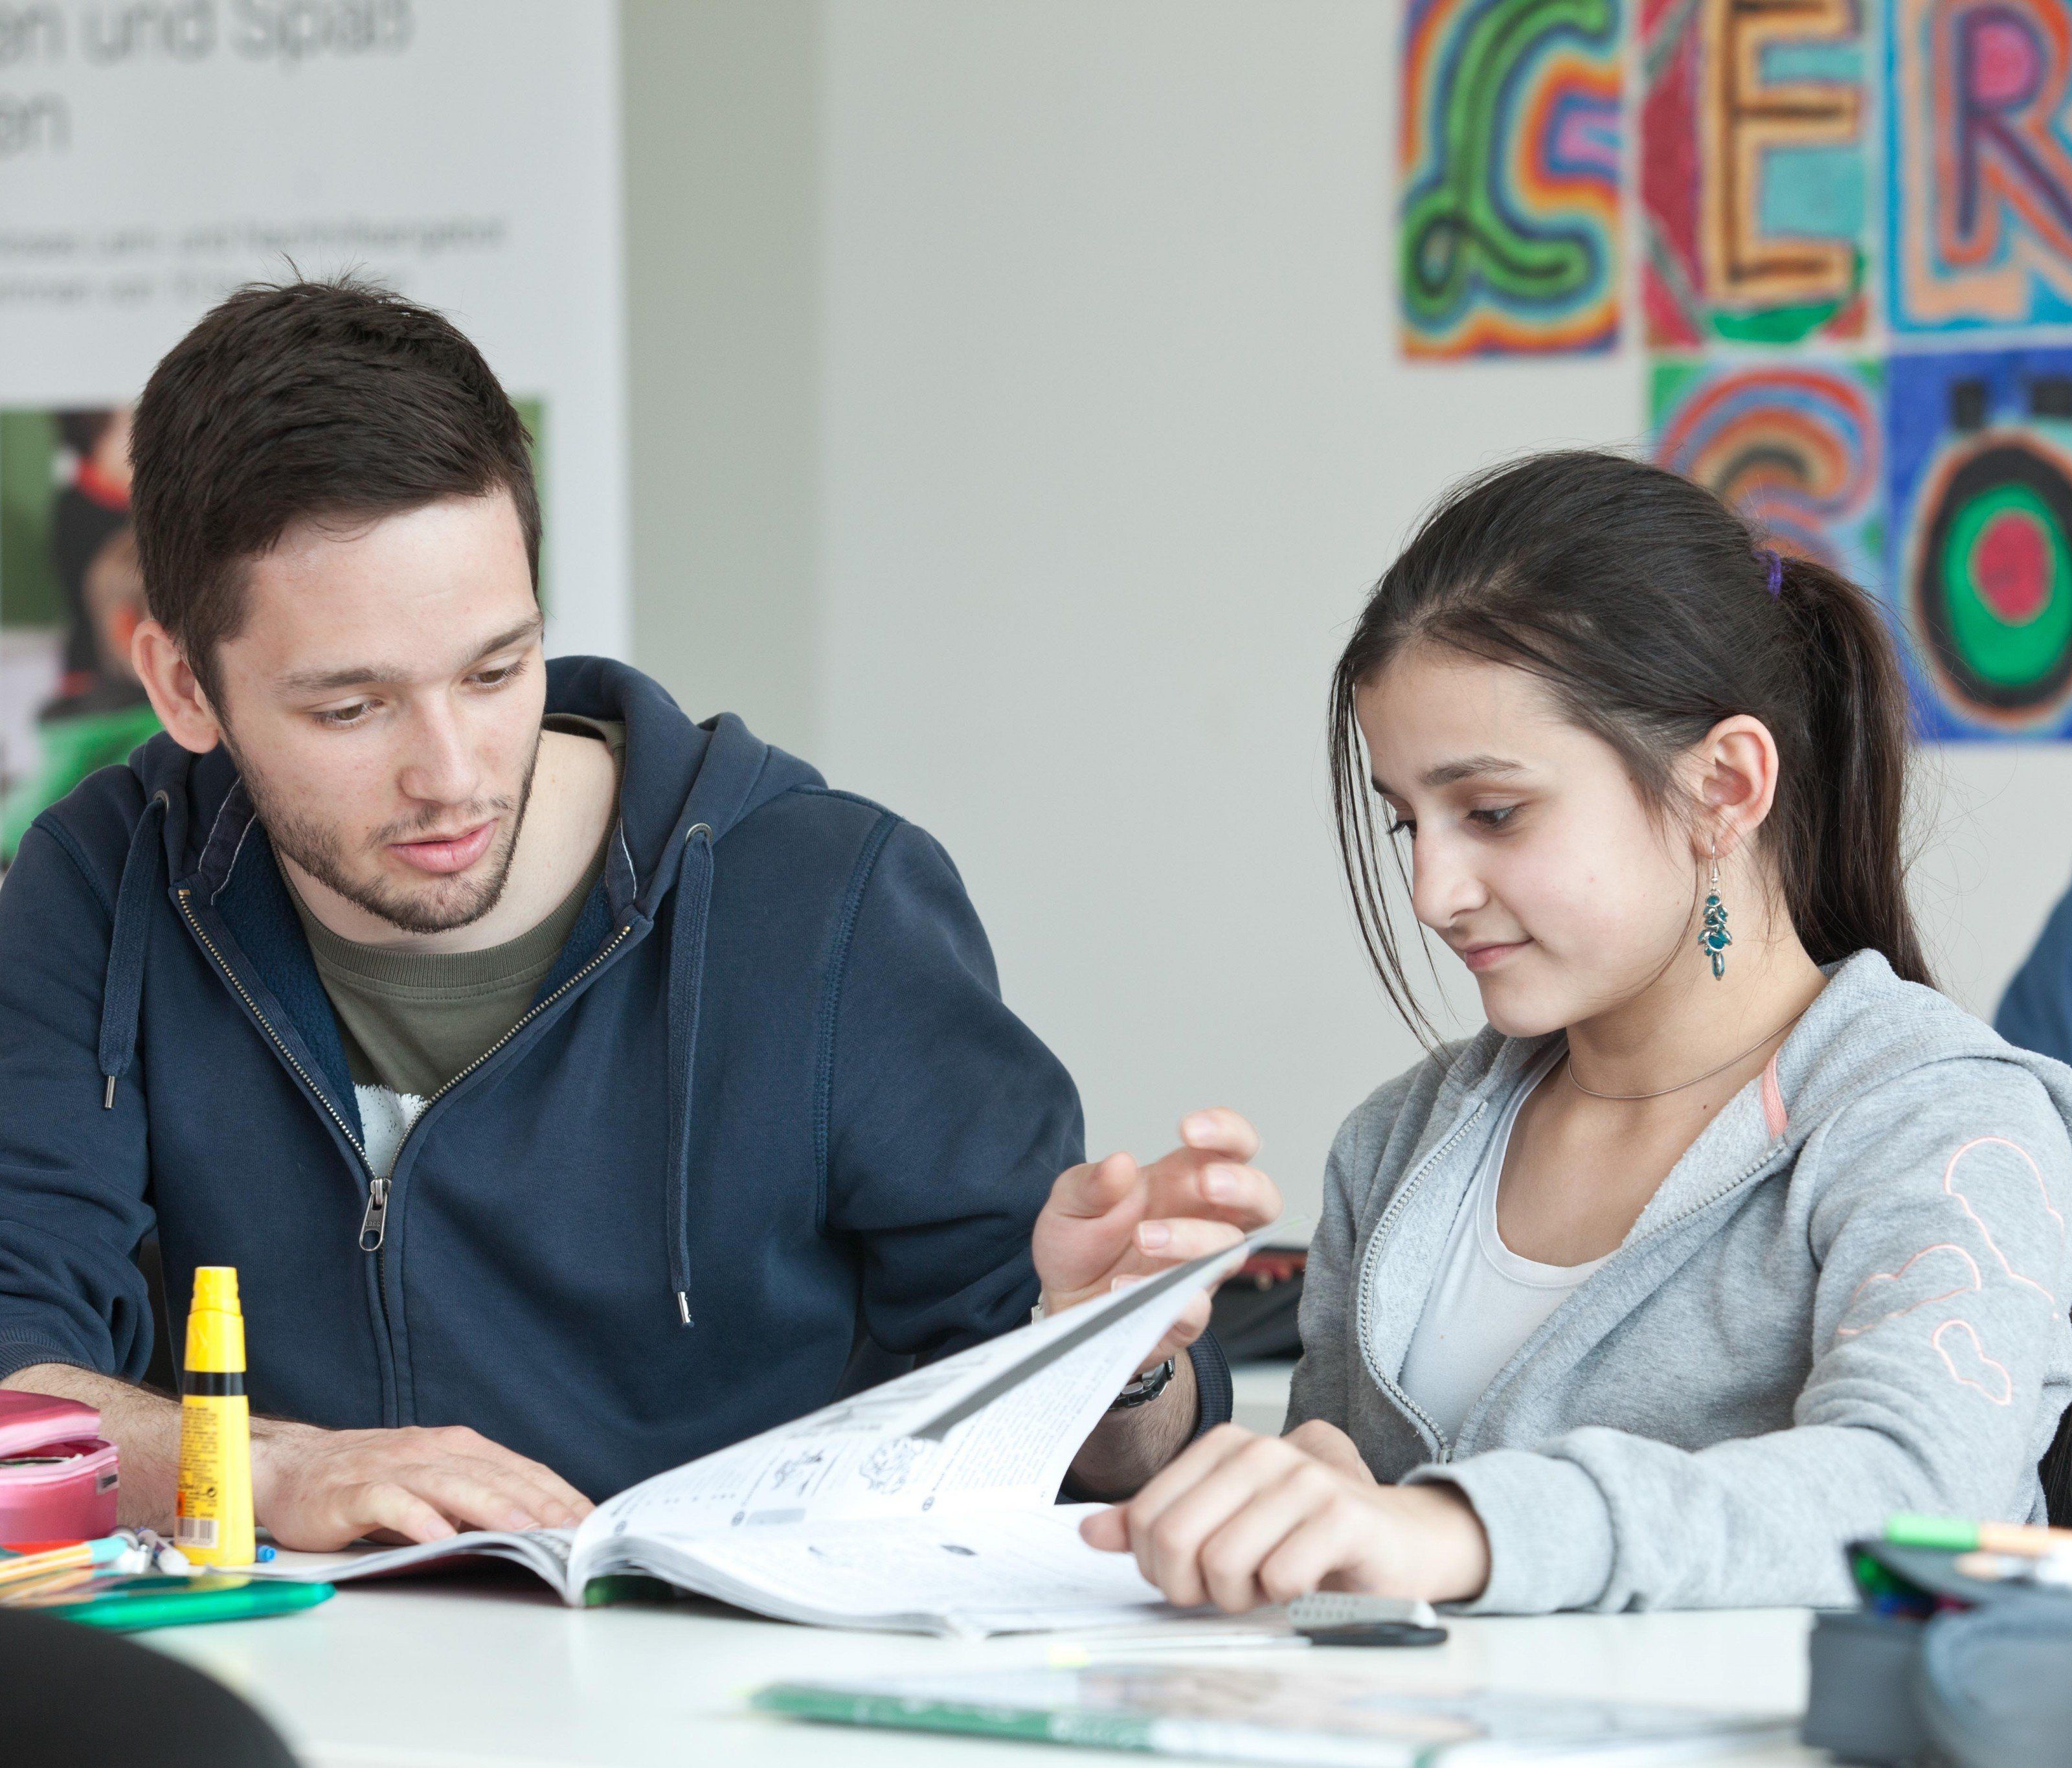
[[925, 1505]]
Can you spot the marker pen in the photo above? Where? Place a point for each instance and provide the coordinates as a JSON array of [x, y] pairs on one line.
[[213, 1525]]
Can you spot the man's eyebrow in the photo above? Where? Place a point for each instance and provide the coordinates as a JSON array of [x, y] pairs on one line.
[[376, 676], [1449, 773]]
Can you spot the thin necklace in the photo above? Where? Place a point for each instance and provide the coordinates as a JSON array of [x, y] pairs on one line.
[[1680, 1085]]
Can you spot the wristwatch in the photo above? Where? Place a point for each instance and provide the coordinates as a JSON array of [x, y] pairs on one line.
[[1139, 1390]]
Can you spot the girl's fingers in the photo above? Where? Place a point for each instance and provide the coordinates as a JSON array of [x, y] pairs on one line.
[[1193, 1464], [1312, 1552], [1107, 1529], [1333, 1447], [1231, 1556], [1175, 1538]]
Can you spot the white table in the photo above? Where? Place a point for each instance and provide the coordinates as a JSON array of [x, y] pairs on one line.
[[436, 1674]]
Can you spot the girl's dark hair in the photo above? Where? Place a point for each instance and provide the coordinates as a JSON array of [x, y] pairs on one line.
[[1646, 606]]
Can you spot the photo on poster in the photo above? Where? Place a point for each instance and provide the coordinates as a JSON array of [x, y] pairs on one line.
[[1751, 171], [1978, 163], [71, 597], [1978, 453], [1793, 445], [1510, 143]]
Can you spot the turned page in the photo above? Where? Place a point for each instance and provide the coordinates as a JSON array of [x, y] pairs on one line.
[[994, 1428]]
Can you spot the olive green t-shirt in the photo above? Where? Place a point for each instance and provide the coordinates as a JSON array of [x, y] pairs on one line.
[[412, 1022]]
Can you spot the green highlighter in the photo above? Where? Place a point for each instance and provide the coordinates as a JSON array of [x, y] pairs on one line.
[[150, 1599]]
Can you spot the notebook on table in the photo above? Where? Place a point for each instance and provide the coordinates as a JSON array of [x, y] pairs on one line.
[[1228, 1713]]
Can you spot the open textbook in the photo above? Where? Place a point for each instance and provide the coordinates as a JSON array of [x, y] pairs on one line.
[[925, 1505]]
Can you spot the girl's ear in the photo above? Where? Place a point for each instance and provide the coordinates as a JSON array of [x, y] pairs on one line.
[[1735, 770]]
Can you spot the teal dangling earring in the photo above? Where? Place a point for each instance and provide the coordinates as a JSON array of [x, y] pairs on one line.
[[1714, 940]]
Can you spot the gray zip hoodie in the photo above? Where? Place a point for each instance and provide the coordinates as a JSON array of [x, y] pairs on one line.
[[1848, 1297]]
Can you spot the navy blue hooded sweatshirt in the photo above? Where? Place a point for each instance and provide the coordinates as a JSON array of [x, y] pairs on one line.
[[768, 1096]]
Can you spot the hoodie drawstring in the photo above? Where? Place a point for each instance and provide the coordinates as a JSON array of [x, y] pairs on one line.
[[687, 964], [122, 991]]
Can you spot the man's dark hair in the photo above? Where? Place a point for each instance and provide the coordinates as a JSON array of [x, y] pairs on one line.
[[336, 400]]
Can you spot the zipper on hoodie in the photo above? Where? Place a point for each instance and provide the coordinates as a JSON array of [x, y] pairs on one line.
[[374, 1224], [374, 1219], [377, 1188], [1389, 1216], [1387, 1384]]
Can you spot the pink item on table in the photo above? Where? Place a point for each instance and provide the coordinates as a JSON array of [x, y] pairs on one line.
[[70, 1496]]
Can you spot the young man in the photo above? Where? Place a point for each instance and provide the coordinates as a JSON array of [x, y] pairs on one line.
[[573, 1088]]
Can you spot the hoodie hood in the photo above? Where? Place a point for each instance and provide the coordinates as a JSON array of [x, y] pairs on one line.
[[1866, 1029], [684, 788]]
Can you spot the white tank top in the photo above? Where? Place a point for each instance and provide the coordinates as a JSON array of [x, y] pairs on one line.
[[1485, 1300]]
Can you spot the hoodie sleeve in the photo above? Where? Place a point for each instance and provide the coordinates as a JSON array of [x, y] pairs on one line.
[[72, 1174], [1941, 1358], [2035, 1012], [946, 1118]]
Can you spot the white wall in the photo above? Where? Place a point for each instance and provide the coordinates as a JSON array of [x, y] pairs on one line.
[[1111, 436]]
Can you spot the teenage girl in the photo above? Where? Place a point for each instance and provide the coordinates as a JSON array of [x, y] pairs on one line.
[[1728, 1235]]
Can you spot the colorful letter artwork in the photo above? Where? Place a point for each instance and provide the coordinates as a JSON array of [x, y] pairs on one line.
[[1980, 202], [1794, 446], [1511, 146], [1752, 171], [1980, 460]]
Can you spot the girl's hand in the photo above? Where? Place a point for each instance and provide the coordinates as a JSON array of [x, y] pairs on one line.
[[1114, 1219], [1241, 1519]]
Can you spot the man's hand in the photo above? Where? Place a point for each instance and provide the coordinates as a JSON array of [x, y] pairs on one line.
[[1241, 1519], [1114, 1219], [318, 1490]]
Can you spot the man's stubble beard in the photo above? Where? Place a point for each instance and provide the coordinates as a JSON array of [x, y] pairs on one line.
[[317, 851]]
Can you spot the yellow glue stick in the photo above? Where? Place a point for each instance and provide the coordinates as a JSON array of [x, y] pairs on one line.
[[213, 1524]]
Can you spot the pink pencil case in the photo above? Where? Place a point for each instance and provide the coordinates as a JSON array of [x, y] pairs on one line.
[[57, 1476]]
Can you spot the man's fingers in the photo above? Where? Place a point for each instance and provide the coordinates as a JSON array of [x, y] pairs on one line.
[[1186, 1183], [548, 1496], [1179, 1238], [1194, 1321], [470, 1494], [384, 1504], [1220, 1131], [1096, 1188]]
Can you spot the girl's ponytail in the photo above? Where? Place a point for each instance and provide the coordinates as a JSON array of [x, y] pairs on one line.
[[1840, 812]]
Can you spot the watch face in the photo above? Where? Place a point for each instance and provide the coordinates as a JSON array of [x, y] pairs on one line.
[[1142, 1388]]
